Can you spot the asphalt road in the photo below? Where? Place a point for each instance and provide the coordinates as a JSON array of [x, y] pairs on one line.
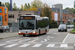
[[53, 40]]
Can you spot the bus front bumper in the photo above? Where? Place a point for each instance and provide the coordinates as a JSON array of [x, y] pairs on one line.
[[28, 33]]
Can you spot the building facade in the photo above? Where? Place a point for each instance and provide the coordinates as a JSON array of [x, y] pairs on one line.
[[14, 15], [66, 18]]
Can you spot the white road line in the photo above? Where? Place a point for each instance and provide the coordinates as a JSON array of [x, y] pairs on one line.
[[24, 40], [25, 45], [14, 40], [64, 45], [45, 40], [50, 45], [34, 40], [11, 45], [37, 45], [65, 38], [2, 44]]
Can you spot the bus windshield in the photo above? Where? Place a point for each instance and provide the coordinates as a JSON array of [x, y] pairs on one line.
[[27, 24]]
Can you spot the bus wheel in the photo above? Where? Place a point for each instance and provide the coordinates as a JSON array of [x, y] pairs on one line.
[[23, 35], [45, 31]]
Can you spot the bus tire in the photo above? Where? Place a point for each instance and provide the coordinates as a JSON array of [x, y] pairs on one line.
[[23, 35], [45, 31]]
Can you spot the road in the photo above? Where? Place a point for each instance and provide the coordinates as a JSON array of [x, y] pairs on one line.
[[53, 40]]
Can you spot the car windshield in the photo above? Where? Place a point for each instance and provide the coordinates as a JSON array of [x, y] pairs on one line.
[[26, 24], [62, 26]]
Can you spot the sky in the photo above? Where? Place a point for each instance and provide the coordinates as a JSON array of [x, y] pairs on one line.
[[66, 3]]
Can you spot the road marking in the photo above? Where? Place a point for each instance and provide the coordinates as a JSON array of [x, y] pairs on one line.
[[45, 40], [2, 44], [51, 37], [34, 40], [64, 45], [14, 40], [25, 45], [65, 38], [11, 45], [37, 45], [50, 45], [24, 40]]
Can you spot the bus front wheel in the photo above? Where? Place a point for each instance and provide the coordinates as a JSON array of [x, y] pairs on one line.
[[23, 35], [45, 31]]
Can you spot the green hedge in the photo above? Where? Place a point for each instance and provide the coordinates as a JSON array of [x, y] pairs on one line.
[[53, 24]]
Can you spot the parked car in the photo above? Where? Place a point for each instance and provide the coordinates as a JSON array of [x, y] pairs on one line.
[[70, 26], [62, 27], [4, 28]]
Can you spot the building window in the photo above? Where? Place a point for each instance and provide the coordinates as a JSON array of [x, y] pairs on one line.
[[67, 17], [0, 10], [53, 6], [63, 17], [10, 15]]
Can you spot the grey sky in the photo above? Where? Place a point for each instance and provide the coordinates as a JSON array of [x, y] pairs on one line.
[[66, 3]]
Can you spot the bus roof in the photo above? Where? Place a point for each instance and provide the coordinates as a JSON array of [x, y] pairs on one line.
[[32, 15]]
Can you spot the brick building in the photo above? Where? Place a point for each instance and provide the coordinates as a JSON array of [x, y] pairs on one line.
[[66, 18]]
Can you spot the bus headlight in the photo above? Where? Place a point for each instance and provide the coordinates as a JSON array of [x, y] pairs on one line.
[[33, 31], [19, 31]]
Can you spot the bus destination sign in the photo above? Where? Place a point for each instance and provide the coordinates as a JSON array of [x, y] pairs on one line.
[[29, 17]]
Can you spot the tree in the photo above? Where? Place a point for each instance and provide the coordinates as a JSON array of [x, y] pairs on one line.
[[3, 4], [25, 7], [7, 5], [14, 7], [32, 9], [37, 3], [21, 7], [46, 12], [70, 10], [28, 6]]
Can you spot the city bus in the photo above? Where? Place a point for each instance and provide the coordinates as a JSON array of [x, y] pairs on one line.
[[33, 25]]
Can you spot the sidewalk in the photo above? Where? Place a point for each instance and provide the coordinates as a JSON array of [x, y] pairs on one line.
[[8, 34]]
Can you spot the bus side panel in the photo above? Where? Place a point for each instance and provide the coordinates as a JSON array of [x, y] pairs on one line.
[[44, 31]]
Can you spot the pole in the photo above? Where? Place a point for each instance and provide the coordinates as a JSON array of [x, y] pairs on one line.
[[11, 5], [11, 13], [61, 15]]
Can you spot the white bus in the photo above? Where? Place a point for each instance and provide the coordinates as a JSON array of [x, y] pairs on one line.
[[33, 25]]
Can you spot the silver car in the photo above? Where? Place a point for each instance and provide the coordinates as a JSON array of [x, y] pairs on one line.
[[62, 27], [4, 28]]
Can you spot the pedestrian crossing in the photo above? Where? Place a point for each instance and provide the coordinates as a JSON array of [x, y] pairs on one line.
[[25, 45], [50, 45], [37, 45]]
